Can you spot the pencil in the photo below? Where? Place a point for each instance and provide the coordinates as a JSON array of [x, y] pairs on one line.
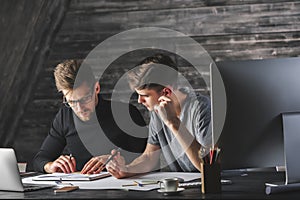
[[136, 183], [126, 185]]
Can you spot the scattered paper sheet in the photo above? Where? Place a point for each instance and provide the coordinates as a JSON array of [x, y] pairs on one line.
[[114, 183], [70, 177]]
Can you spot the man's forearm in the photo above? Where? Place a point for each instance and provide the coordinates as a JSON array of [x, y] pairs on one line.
[[188, 142], [144, 163]]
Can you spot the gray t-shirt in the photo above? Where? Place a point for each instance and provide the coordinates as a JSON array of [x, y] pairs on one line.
[[195, 116]]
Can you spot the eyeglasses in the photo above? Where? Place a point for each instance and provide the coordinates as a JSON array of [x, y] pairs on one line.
[[72, 103]]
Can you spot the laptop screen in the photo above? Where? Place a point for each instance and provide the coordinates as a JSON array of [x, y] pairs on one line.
[[11, 179]]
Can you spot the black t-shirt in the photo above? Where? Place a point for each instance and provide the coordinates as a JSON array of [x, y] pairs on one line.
[[63, 135]]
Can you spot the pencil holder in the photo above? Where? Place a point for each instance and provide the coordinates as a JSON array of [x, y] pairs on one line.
[[210, 178]]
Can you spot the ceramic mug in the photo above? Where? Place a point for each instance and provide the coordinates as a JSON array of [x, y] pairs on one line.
[[169, 184]]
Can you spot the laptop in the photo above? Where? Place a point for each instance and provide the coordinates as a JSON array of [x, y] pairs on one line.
[[10, 176]]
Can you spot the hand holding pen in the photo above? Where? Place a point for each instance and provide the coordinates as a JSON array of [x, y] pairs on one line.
[[64, 163], [117, 167], [97, 164], [111, 157], [73, 161]]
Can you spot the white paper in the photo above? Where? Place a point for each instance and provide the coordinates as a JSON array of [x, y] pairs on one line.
[[114, 183], [70, 177]]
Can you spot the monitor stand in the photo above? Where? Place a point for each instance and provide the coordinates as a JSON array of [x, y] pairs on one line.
[[291, 135]]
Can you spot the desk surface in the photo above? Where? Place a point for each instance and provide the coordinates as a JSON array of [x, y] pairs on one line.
[[245, 185]]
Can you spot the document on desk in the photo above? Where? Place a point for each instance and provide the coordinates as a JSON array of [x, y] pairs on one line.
[[114, 183], [70, 177]]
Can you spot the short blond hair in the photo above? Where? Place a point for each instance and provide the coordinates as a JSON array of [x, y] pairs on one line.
[[66, 78]]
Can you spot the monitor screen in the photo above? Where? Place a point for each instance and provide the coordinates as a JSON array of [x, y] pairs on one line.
[[257, 92]]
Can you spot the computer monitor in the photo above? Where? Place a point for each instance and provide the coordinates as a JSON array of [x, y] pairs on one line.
[[257, 92]]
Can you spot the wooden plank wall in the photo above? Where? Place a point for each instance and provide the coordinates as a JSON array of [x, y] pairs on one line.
[[27, 29], [227, 29]]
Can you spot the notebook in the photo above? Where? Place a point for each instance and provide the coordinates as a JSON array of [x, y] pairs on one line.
[[70, 177], [10, 175]]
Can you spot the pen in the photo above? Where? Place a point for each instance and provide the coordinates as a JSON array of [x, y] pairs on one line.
[[136, 183], [139, 184], [70, 158], [111, 157], [211, 155]]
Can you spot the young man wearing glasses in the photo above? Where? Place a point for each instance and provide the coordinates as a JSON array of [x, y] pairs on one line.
[[84, 106]]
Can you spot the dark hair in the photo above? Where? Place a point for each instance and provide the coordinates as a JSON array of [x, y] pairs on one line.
[[154, 72], [67, 76]]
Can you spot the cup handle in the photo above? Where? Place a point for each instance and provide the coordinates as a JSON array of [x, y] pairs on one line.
[[161, 183]]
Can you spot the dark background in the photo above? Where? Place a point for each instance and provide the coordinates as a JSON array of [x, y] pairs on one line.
[[37, 34]]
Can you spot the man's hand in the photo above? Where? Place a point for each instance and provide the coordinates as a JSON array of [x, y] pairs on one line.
[[94, 165], [64, 163], [117, 166], [166, 110]]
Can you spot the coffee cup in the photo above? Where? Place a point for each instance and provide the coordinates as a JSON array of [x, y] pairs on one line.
[[169, 184], [22, 166]]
